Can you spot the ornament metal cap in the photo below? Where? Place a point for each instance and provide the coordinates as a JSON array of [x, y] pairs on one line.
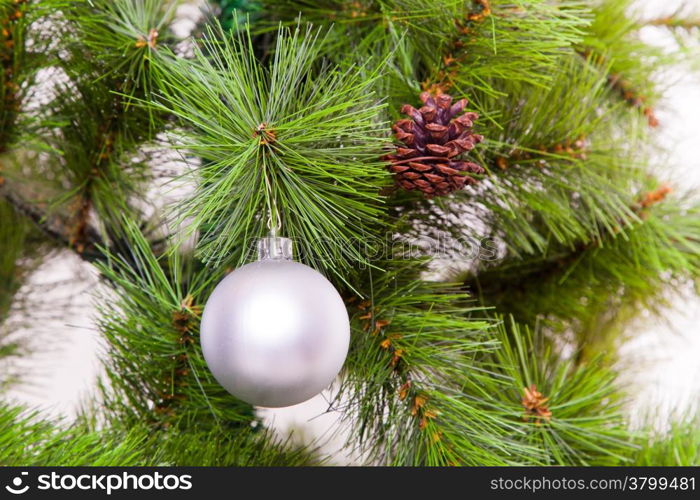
[[275, 247]]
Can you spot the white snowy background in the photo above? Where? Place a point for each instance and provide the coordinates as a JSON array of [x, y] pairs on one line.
[[661, 363]]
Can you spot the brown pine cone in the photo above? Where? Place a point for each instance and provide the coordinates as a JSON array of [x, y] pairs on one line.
[[433, 142]]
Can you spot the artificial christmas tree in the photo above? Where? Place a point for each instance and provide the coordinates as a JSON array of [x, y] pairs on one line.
[[161, 159]]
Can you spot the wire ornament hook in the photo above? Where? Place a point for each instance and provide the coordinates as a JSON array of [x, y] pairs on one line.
[[274, 220]]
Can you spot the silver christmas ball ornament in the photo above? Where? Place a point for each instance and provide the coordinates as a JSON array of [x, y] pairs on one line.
[[275, 332]]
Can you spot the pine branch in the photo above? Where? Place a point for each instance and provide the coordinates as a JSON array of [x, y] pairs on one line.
[[419, 384], [10, 17], [428, 32], [591, 288], [223, 447], [572, 413], [633, 97], [17, 258], [492, 37], [53, 227], [674, 22], [24, 51], [91, 120], [294, 144], [612, 43], [677, 446], [29, 440], [128, 36], [570, 149], [106, 137], [414, 351], [455, 55]]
